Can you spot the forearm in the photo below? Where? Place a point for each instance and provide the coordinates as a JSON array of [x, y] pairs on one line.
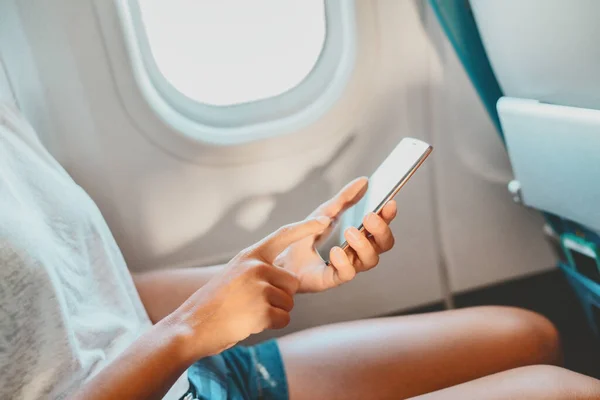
[[163, 291], [147, 369]]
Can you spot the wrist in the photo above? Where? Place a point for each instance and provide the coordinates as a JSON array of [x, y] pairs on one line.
[[181, 340], [193, 335]]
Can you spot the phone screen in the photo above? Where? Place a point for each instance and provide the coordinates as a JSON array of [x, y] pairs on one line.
[[390, 176]]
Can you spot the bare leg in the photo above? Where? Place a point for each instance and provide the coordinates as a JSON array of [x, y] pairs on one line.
[[400, 357], [532, 383]]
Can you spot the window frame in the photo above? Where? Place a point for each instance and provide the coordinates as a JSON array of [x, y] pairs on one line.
[[256, 120]]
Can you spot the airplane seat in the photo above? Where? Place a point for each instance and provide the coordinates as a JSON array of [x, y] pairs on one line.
[[534, 64]]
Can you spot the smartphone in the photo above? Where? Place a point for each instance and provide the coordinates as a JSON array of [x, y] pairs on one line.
[[390, 177]]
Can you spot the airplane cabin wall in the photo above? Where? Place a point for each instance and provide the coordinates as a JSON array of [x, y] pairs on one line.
[[166, 211]]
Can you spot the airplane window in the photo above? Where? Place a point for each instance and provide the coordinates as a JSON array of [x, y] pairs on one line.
[[231, 72], [229, 52]]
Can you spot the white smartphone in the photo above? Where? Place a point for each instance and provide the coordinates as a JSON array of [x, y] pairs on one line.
[[390, 177]]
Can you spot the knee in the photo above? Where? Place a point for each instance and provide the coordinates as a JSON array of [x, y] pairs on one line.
[[532, 335], [557, 382]]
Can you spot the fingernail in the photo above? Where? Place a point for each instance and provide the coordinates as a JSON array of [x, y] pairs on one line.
[[324, 220], [353, 233], [371, 218]]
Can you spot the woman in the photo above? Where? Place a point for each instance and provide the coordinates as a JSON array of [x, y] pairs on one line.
[[76, 324]]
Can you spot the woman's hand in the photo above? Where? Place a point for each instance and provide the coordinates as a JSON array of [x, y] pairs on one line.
[[315, 275], [248, 296]]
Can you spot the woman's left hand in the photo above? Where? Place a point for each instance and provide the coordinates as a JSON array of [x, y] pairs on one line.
[[362, 254]]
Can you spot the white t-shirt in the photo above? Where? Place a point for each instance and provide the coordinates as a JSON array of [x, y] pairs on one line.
[[68, 305]]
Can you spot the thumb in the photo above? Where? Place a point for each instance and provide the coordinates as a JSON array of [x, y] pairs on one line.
[[271, 246]]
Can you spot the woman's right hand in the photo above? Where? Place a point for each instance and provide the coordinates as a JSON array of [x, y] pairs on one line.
[[249, 296]]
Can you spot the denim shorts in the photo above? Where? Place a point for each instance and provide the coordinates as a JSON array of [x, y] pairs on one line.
[[240, 373]]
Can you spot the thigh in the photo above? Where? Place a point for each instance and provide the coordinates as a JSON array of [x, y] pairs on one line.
[[539, 382], [399, 357]]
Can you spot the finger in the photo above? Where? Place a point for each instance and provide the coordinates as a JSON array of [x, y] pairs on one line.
[[380, 232], [364, 249], [388, 213], [344, 199], [343, 269], [278, 318], [283, 279], [279, 298], [271, 246]]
